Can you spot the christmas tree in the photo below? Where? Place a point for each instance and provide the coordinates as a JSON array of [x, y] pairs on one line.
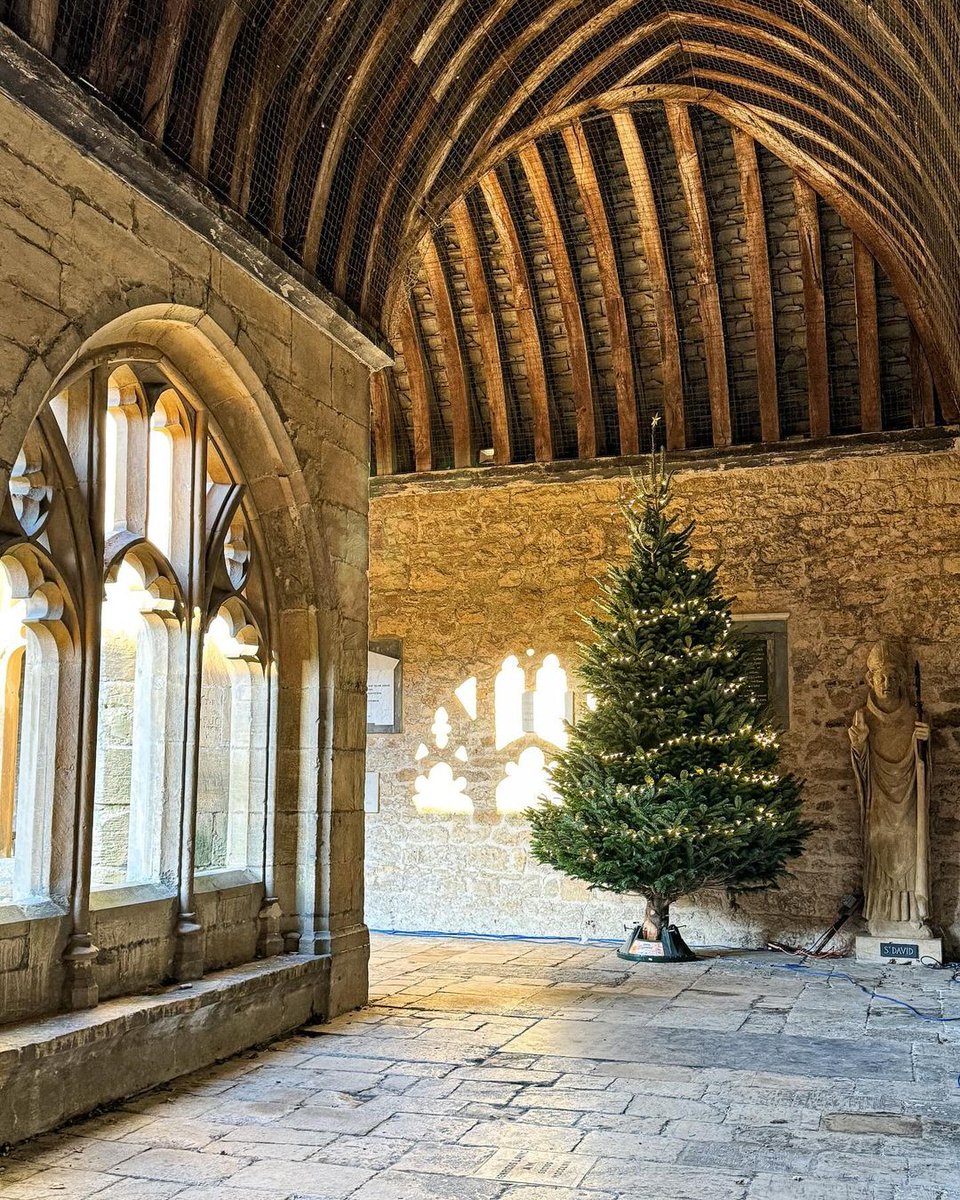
[[669, 783]]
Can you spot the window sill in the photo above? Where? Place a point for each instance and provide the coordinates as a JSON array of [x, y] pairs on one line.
[[224, 880], [127, 895], [14, 912]]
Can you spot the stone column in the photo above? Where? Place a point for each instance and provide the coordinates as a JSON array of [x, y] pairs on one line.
[[270, 938], [79, 985], [188, 954]]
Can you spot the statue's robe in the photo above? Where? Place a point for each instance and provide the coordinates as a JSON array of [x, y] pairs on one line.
[[891, 772]]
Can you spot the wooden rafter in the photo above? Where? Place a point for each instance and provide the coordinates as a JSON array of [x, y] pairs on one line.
[[273, 59], [419, 384], [493, 366], [296, 120], [516, 265], [559, 254], [211, 89], [814, 308], [36, 20], [708, 290], [923, 403], [104, 59], [346, 113], [384, 440], [163, 65], [761, 290], [655, 254], [868, 337], [598, 223], [451, 354]]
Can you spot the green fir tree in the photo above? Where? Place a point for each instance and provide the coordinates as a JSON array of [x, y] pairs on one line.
[[669, 783]]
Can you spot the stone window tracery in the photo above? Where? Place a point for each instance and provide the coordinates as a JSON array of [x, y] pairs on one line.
[[131, 588]]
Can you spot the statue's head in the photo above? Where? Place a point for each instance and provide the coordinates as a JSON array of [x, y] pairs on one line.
[[887, 674]]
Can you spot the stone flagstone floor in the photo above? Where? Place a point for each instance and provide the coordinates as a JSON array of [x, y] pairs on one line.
[[532, 1071]]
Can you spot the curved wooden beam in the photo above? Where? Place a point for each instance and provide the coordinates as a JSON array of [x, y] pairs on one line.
[[656, 259], [103, 61], [621, 352], [814, 308], [296, 122], [384, 443], [451, 355], [163, 66], [559, 255], [36, 21], [701, 241], [340, 128], [273, 61], [215, 71], [419, 385], [493, 368], [516, 267], [758, 259], [923, 405], [371, 160], [868, 337]]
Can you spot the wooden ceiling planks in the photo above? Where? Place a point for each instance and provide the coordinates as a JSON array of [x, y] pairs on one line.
[[647, 242], [418, 378]]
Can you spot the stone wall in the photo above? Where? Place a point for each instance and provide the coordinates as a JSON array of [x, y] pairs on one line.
[[90, 260], [850, 546]]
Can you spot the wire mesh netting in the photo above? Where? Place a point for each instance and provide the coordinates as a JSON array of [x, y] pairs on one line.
[[344, 130]]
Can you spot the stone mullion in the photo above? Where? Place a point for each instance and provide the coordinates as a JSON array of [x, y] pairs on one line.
[[270, 939], [80, 989], [188, 957]]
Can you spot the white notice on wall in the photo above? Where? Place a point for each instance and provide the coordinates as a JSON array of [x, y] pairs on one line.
[[381, 691]]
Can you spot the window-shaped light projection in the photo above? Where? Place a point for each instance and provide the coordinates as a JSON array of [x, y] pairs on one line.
[[440, 791], [441, 729], [508, 689], [544, 710], [550, 703], [233, 742], [525, 784]]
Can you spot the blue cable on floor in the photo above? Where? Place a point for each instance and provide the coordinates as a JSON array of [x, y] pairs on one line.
[[498, 937], [797, 968]]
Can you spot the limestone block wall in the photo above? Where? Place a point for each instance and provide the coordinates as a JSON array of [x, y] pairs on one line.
[[849, 548], [88, 261]]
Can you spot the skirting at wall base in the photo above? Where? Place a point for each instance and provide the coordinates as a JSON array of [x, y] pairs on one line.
[[61, 1067]]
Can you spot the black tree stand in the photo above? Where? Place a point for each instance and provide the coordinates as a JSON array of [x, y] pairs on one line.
[[670, 948]]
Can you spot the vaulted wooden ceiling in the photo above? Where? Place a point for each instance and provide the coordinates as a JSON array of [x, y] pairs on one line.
[[655, 261], [346, 129]]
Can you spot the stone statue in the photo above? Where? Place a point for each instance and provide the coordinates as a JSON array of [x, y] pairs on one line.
[[890, 747]]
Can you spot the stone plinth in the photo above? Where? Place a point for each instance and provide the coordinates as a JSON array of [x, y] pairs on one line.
[[901, 950]]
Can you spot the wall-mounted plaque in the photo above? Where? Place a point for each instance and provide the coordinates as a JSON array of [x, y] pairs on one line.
[[384, 687]]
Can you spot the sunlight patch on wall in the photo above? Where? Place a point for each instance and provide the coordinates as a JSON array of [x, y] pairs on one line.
[[525, 784], [439, 792]]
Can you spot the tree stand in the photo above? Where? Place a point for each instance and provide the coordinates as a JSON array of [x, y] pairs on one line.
[[669, 948]]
